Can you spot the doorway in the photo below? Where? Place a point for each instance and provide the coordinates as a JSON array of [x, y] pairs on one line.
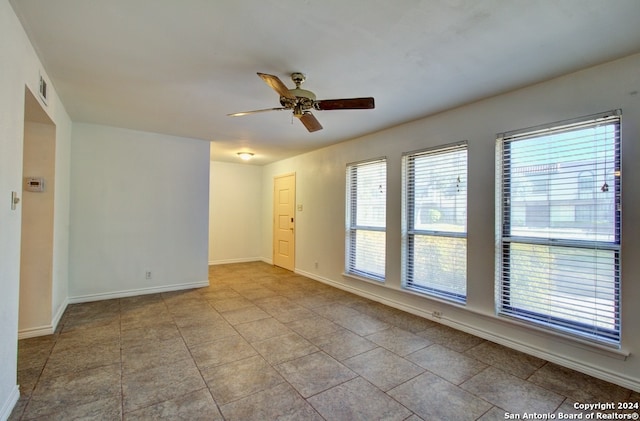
[[284, 203], [36, 249]]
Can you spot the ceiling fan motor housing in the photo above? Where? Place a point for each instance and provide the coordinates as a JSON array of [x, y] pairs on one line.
[[304, 99]]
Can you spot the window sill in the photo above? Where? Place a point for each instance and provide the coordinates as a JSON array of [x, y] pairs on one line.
[[435, 296], [612, 351], [364, 278]]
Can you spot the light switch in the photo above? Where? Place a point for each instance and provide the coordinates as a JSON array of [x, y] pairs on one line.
[[299, 208]]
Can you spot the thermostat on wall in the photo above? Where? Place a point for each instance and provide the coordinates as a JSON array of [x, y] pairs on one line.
[[35, 184]]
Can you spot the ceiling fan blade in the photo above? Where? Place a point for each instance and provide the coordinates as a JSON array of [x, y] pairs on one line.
[[276, 84], [310, 121], [345, 104], [240, 114]]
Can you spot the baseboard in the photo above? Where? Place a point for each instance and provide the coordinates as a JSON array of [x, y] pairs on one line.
[[50, 329], [32, 332], [591, 370], [59, 313], [9, 404], [242, 260], [231, 261], [628, 382], [133, 292]]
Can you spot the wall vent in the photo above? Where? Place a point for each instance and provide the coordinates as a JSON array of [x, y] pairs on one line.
[[43, 90]]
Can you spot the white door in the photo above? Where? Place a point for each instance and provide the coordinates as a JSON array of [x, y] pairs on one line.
[[284, 202]]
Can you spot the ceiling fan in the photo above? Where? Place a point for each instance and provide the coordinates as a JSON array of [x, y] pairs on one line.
[[302, 101]]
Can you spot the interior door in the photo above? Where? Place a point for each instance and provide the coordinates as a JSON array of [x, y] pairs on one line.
[[284, 202]]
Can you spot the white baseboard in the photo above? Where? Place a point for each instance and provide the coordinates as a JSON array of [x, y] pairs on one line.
[[9, 404], [597, 372], [32, 332], [50, 329], [58, 315], [240, 260], [230, 261], [133, 292]]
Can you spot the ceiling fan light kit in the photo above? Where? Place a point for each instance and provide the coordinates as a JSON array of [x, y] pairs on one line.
[[301, 101]]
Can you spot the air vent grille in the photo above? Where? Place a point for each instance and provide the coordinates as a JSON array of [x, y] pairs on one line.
[[43, 90]]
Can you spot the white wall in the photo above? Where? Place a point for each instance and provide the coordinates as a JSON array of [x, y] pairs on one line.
[[139, 202], [20, 67], [321, 191], [235, 213]]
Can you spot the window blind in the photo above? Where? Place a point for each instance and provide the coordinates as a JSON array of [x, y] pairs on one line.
[[559, 230], [435, 221], [366, 219]]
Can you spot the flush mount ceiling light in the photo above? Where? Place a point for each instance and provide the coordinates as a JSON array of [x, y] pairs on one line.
[[245, 156]]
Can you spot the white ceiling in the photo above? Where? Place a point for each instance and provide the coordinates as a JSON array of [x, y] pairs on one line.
[[178, 67]]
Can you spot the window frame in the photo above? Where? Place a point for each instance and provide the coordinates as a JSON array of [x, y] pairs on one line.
[[351, 221], [410, 232], [505, 237]]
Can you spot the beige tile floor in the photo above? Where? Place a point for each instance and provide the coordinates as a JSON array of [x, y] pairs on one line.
[[262, 343]]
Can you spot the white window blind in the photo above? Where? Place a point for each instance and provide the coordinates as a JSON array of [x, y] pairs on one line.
[[435, 222], [366, 218], [558, 199]]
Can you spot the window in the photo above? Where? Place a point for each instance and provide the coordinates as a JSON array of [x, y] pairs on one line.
[[366, 219], [559, 253], [586, 185], [435, 222]]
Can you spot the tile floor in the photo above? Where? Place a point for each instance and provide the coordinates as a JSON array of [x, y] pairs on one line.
[[262, 343]]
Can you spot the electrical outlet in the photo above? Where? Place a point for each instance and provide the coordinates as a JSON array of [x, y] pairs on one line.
[[147, 274], [437, 314]]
